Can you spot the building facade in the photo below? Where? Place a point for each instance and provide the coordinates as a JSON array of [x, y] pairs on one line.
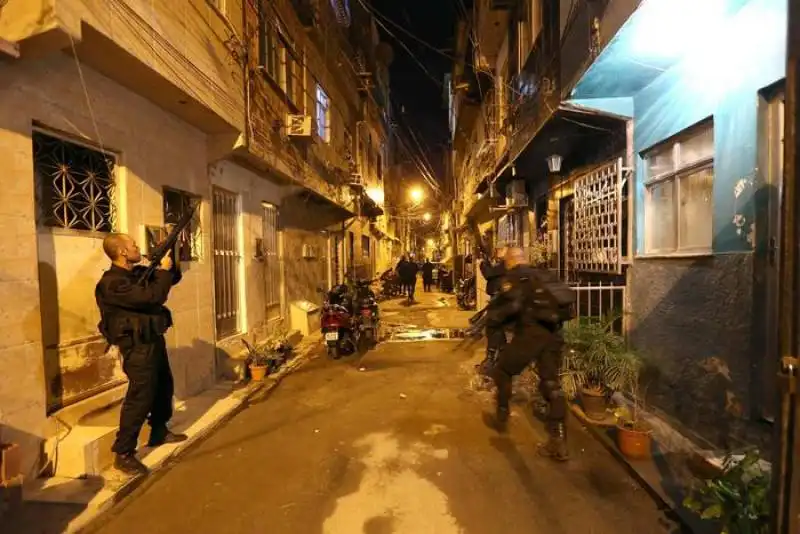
[[116, 116], [623, 156]]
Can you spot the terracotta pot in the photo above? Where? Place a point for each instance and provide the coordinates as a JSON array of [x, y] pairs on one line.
[[258, 372], [634, 442], [594, 404]]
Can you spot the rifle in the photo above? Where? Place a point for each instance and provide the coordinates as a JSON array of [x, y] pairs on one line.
[[475, 331], [168, 244]]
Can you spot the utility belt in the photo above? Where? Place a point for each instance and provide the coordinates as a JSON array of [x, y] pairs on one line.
[[129, 331]]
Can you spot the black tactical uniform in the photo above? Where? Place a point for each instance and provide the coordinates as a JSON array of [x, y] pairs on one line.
[[537, 339], [134, 318], [495, 334]]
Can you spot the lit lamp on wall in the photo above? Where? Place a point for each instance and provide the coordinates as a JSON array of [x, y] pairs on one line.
[[376, 194], [554, 163], [426, 217]]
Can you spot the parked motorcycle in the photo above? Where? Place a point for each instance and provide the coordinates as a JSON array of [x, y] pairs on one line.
[[390, 284], [338, 323], [368, 320], [466, 294]]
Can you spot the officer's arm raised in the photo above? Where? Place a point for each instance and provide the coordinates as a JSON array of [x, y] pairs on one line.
[[126, 293]]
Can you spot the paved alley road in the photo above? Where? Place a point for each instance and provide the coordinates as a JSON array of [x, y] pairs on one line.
[[399, 447]]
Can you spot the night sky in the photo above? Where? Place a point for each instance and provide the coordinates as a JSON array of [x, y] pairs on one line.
[[422, 96]]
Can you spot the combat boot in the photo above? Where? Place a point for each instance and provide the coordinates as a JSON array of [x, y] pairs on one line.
[[556, 446], [498, 422]]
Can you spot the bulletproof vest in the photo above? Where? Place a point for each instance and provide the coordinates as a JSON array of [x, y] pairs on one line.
[[553, 300]]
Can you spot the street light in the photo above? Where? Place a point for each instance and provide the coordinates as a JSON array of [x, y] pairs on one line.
[[427, 217], [417, 194]]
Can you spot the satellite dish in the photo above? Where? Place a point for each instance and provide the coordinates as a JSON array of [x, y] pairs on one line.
[[385, 53]]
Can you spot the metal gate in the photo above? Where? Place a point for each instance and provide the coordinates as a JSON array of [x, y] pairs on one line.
[[596, 244], [225, 214]]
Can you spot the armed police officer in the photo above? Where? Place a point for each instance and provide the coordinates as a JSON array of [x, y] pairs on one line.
[[535, 304], [493, 270], [134, 318]]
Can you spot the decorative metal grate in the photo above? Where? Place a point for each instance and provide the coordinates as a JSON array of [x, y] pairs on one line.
[[272, 257], [596, 244], [225, 215], [74, 185], [176, 203]]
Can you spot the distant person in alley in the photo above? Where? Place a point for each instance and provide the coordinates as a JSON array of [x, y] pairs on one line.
[[133, 317], [427, 275], [407, 270]]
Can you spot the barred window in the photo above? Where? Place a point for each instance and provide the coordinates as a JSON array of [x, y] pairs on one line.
[[74, 185], [272, 255], [176, 204], [227, 257], [323, 115]]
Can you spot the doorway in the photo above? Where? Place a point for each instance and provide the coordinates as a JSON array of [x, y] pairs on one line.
[[767, 256]]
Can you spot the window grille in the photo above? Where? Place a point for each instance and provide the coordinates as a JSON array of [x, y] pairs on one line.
[[272, 256], [596, 244], [74, 185], [225, 215], [176, 203]]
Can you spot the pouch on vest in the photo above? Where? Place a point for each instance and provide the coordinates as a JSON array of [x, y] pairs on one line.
[[552, 293]]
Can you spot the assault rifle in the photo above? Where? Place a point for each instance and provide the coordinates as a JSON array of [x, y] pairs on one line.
[[475, 331], [163, 248]]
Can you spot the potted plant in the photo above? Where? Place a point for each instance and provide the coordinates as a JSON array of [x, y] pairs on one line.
[[259, 360], [597, 362], [738, 498], [634, 434]]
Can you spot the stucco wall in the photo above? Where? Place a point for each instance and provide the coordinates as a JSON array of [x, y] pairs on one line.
[[154, 150], [722, 81], [187, 42], [694, 321]]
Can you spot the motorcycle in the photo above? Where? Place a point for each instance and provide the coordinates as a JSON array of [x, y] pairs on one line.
[[390, 284], [368, 320], [339, 328], [466, 294]]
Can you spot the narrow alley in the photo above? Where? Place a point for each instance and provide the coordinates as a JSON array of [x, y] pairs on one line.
[[391, 443]]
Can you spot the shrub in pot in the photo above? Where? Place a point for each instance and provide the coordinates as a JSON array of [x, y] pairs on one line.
[[266, 357], [597, 363], [738, 498]]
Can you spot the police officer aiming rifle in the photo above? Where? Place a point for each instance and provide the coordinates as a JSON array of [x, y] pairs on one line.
[[131, 300], [535, 304]]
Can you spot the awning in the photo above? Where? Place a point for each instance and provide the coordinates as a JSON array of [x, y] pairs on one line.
[[576, 133], [481, 210], [308, 210], [370, 208]]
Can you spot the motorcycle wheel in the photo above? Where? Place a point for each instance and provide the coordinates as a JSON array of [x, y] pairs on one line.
[[334, 352]]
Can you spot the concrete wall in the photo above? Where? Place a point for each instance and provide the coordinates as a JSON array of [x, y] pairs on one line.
[[69, 262], [185, 43]]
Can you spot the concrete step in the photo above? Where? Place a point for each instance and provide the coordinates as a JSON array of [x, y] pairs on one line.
[[85, 450]]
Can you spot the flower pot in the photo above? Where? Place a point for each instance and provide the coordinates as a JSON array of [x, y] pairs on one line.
[[594, 404], [258, 372], [634, 440]]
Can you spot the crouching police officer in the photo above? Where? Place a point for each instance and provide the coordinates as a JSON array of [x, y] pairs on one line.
[[536, 339], [134, 318]]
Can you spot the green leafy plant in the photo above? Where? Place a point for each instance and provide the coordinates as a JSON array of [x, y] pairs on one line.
[[597, 358], [738, 498], [271, 352]]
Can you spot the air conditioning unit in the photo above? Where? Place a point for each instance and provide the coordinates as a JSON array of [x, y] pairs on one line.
[[299, 126], [516, 195]]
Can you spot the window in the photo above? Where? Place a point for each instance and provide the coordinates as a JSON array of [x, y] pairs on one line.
[[270, 57], [272, 273], [323, 115], [176, 204], [291, 77], [74, 185], [679, 193], [379, 168], [342, 10], [365, 246], [225, 217]]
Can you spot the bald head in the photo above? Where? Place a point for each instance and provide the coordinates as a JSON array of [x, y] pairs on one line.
[[514, 256], [121, 249]]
